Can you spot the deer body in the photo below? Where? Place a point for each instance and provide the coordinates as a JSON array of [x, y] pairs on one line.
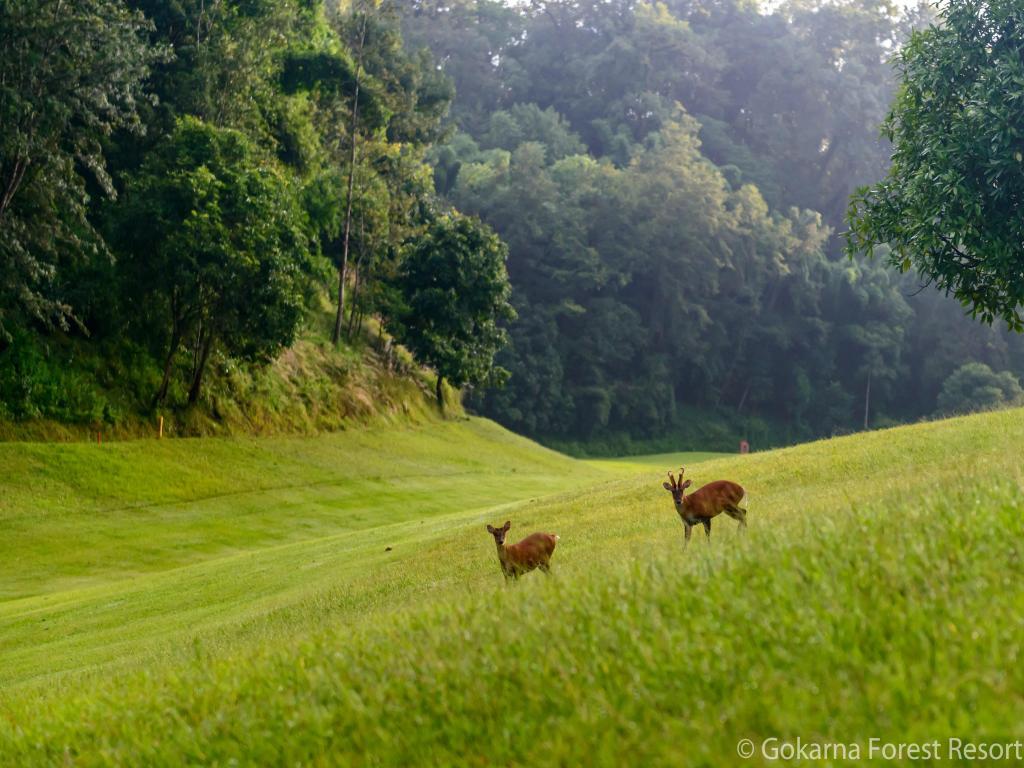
[[532, 552], [707, 502]]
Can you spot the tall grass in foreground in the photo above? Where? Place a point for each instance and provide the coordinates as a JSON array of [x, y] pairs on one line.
[[879, 593]]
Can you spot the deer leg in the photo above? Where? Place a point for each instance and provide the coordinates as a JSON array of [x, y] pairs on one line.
[[737, 513], [689, 530], [545, 567], [707, 527]]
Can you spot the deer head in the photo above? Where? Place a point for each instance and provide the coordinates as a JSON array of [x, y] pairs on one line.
[[499, 533], [677, 486]]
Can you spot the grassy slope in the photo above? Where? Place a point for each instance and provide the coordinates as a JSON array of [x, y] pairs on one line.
[[310, 387], [100, 538], [654, 461], [878, 593], [77, 513]]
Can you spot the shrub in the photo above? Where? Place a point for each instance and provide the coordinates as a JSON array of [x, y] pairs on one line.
[[976, 387]]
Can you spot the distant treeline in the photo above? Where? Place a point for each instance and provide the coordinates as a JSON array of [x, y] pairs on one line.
[[671, 180]]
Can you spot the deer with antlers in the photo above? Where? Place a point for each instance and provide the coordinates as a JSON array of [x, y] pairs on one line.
[[707, 502]]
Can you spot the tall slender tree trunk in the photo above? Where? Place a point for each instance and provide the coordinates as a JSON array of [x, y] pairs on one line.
[[12, 182], [353, 323], [353, 131], [168, 364], [355, 315], [204, 357], [355, 303], [177, 322], [743, 397]]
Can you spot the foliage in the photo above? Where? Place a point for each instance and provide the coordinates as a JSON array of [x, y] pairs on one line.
[[976, 387], [656, 289], [70, 74], [455, 292], [226, 65], [950, 205], [223, 134], [791, 99], [36, 382], [214, 250], [376, 109], [669, 178]]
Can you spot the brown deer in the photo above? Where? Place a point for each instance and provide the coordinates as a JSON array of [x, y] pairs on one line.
[[707, 502], [532, 552]]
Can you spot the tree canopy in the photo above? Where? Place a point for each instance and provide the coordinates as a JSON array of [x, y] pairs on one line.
[[455, 292], [214, 249], [178, 178], [670, 179], [950, 207], [976, 387], [70, 75]]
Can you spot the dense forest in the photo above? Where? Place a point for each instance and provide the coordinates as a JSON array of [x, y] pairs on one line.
[[672, 181], [190, 187]]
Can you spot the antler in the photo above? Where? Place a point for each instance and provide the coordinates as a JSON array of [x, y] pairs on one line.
[[676, 484], [683, 485]]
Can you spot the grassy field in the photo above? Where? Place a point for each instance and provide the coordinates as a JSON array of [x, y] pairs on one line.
[[243, 609], [100, 538], [654, 461]]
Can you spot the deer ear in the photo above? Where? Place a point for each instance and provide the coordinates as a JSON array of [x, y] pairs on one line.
[[508, 524], [688, 483], [667, 487], [490, 528]]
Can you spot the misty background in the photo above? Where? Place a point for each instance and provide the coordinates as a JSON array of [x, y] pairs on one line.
[[672, 180]]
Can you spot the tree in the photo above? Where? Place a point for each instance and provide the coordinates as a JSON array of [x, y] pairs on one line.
[[952, 204], [226, 62], [471, 39], [214, 250], [375, 107], [70, 74], [358, 47], [976, 387], [456, 294]]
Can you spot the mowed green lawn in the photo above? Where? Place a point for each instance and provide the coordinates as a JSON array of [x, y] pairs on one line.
[[655, 461], [75, 515], [111, 554], [878, 593]]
